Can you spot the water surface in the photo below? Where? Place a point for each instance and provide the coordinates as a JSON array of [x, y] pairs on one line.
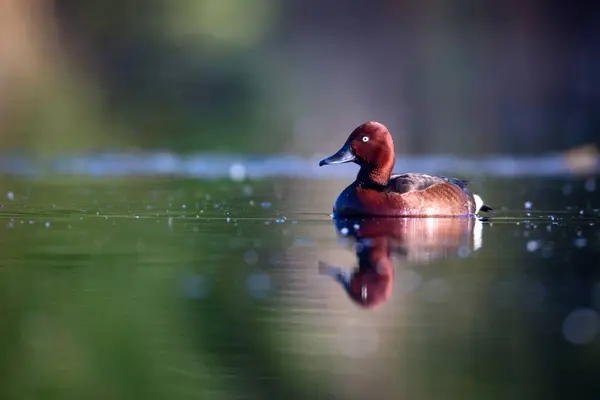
[[149, 286]]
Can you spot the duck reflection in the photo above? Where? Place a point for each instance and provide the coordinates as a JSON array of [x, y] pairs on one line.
[[412, 240]]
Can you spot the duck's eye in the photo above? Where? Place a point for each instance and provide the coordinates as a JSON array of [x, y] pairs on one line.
[[365, 139]]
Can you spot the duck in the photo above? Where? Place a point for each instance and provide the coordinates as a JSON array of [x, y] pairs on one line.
[[378, 192]]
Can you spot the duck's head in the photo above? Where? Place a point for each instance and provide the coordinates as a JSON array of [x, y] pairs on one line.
[[368, 286], [370, 145]]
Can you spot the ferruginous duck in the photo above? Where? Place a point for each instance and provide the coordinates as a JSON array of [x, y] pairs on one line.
[[378, 192]]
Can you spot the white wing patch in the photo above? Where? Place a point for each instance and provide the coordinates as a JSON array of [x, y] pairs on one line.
[[478, 203]]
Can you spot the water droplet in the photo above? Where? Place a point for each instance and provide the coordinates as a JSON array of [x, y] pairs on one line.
[[10, 195], [228, 219], [528, 205], [265, 204], [47, 224], [580, 242], [533, 245], [247, 190], [581, 326], [280, 220], [237, 172], [251, 257], [344, 231], [464, 251], [590, 185]]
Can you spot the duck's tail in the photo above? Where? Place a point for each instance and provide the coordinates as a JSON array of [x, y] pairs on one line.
[[480, 205]]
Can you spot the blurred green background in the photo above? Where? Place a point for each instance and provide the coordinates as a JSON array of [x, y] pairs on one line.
[[155, 74], [293, 76]]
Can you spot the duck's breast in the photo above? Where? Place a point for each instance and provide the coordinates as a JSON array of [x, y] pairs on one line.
[[356, 200]]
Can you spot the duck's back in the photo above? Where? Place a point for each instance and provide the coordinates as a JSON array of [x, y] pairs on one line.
[[411, 182]]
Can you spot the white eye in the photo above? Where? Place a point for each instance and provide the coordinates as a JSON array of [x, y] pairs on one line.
[[365, 139]]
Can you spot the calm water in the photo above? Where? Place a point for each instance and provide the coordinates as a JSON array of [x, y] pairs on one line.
[[158, 287]]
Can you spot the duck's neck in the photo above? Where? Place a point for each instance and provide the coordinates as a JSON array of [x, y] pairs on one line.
[[376, 257], [377, 174]]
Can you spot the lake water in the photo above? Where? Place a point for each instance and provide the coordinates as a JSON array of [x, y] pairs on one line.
[[156, 285]]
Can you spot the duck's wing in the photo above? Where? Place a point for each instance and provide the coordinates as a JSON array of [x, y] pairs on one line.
[[408, 183], [411, 182]]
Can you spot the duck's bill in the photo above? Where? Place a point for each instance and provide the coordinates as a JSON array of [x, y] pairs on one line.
[[343, 155], [336, 273]]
